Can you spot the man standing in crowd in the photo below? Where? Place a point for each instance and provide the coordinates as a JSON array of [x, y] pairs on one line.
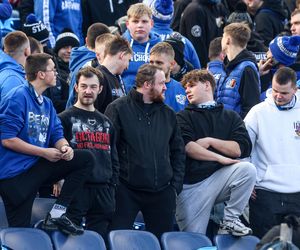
[[33, 150], [274, 129], [215, 139], [12, 61], [151, 154], [85, 128]]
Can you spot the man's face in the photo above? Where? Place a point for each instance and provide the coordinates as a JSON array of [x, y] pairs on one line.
[[124, 62], [140, 28], [99, 50], [50, 74], [253, 5], [195, 91], [159, 87], [64, 53], [88, 90], [295, 24], [162, 61], [224, 43], [282, 94]]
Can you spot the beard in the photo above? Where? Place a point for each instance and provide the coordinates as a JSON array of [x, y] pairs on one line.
[[156, 96]]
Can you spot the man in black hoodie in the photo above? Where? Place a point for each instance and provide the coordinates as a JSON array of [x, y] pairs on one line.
[[239, 86]]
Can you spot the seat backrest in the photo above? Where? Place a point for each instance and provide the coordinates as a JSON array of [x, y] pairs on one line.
[[132, 239], [25, 238], [184, 240], [88, 240], [229, 242], [40, 208]]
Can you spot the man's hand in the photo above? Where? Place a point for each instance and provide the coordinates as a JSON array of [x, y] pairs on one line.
[[227, 161], [57, 188], [253, 195], [67, 153], [265, 66], [52, 154]]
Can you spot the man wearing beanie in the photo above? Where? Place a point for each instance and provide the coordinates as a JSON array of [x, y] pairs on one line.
[[60, 92], [181, 66], [201, 22], [162, 13], [282, 52]]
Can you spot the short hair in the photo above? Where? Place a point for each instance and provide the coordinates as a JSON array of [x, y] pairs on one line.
[[296, 11], [163, 48], [239, 32], [146, 73], [199, 75], [284, 75], [93, 32], [35, 63], [104, 38], [15, 42], [138, 10], [35, 45], [89, 72], [215, 48], [116, 45]]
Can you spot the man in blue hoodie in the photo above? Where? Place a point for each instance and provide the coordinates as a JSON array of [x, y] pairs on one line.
[[141, 39], [84, 56], [12, 61]]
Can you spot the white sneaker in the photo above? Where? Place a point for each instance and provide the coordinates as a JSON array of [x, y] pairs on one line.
[[235, 227]]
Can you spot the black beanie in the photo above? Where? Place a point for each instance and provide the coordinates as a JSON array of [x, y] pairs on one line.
[[66, 38], [178, 47], [36, 29]]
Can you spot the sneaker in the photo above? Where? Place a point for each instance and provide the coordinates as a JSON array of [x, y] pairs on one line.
[[235, 227], [47, 224], [64, 224]]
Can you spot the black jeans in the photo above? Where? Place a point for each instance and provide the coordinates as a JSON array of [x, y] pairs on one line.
[[97, 204], [19, 192], [158, 209], [269, 209]]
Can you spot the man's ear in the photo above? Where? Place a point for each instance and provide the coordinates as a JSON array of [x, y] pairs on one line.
[[76, 87], [100, 89]]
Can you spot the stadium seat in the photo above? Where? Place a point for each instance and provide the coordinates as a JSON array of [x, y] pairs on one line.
[[40, 208], [229, 242], [88, 240], [184, 240], [132, 239], [25, 238]]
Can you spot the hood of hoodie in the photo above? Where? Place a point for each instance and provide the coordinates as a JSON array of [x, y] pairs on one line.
[[79, 56], [162, 28], [244, 55], [8, 63], [275, 6], [136, 46]]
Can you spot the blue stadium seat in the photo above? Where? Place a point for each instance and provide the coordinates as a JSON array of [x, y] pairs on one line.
[[40, 208], [25, 238], [88, 240], [184, 240], [132, 239], [229, 242]]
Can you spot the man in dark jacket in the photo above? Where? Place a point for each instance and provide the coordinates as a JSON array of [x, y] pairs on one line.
[[239, 88], [151, 154], [201, 22], [214, 139]]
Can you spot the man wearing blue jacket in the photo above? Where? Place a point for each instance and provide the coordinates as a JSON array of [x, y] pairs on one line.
[[33, 150], [141, 39], [12, 61]]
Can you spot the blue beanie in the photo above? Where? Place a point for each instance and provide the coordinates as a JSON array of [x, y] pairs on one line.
[[285, 49], [162, 9]]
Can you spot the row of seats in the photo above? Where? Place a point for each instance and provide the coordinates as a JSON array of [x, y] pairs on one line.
[[33, 238]]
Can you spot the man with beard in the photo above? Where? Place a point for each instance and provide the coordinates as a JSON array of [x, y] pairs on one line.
[[151, 154], [162, 55], [86, 128]]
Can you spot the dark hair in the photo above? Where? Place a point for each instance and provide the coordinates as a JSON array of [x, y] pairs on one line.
[[15, 42], [199, 75], [89, 72], [284, 75], [35, 45], [215, 48], [35, 63], [146, 73], [93, 31], [116, 45]]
